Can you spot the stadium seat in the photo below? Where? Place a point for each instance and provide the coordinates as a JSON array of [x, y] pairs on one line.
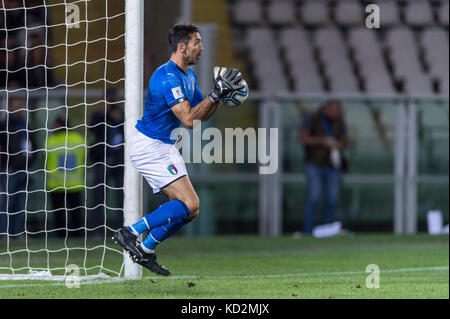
[[330, 43], [315, 12], [378, 83], [418, 84], [389, 12], [418, 13], [368, 57], [434, 41], [328, 36], [259, 36], [265, 59], [398, 37], [293, 38], [433, 36], [375, 76], [343, 82], [260, 43], [439, 70], [372, 65], [297, 48], [338, 64], [444, 86], [281, 12], [444, 12], [300, 60], [349, 12], [364, 41], [405, 66], [334, 56], [308, 82], [403, 53], [275, 84], [248, 12]]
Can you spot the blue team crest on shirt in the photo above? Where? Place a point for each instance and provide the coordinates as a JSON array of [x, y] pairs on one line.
[[172, 169]]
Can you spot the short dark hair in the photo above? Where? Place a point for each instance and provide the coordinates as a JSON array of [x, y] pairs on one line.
[[334, 102], [330, 102], [180, 33]]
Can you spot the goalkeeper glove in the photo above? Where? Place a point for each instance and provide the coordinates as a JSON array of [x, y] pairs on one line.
[[224, 84]]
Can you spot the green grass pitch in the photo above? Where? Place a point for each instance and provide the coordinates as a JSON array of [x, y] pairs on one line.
[[229, 267]]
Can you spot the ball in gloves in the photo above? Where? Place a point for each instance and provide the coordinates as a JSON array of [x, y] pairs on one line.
[[236, 97]]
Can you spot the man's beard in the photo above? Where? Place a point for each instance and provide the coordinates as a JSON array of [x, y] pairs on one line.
[[190, 60]]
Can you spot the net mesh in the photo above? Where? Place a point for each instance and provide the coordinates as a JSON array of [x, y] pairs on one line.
[[61, 134]]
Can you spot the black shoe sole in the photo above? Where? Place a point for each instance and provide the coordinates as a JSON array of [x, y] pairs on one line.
[[120, 240], [135, 256], [152, 270]]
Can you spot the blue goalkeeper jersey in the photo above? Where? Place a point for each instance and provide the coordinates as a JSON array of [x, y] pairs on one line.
[[169, 85]]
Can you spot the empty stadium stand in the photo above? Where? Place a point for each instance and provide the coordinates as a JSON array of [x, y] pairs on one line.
[[324, 45]]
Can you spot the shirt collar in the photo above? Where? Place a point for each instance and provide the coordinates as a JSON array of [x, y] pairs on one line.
[[176, 66]]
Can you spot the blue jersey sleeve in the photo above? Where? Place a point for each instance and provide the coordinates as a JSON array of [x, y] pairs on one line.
[[173, 91], [198, 96]]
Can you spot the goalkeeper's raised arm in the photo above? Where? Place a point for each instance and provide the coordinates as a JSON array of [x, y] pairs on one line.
[[222, 86]]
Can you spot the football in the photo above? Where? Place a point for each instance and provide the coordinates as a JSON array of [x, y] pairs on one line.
[[234, 98]]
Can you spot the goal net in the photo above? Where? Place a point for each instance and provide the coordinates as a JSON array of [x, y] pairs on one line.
[[62, 82]]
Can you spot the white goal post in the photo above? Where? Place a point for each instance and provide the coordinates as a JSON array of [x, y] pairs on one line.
[[134, 86], [59, 62]]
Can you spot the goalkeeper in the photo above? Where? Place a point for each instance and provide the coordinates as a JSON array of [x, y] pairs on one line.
[[173, 97]]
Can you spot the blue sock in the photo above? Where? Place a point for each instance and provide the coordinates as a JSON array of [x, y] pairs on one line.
[[167, 213], [161, 233]]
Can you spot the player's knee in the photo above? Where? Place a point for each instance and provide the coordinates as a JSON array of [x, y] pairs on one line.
[[193, 215], [194, 206]]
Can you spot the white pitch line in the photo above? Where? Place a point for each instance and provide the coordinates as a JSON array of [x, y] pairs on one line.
[[82, 283], [114, 280], [301, 274]]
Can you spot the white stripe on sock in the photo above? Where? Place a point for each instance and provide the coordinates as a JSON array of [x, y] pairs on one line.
[[145, 220], [154, 238], [134, 231], [145, 249]]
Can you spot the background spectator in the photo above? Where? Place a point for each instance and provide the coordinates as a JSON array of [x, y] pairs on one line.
[[24, 59], [13, 20], [12, 71], [39, 75], [323, 135], [15, 148], [105, 158], [65, 177], [37, 14]]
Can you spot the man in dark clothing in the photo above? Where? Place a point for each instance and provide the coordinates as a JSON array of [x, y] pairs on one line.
[[16, 158], [108, 168], [324, 136], [13, 74], [38, 62]]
